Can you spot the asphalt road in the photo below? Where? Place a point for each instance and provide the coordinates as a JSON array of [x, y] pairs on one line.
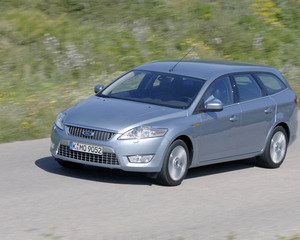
[[236, 200]]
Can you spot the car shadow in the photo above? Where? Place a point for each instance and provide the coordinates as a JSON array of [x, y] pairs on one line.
[[116, 176], [93, 173], [221, 168]]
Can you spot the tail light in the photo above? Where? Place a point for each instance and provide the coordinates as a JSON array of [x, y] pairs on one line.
[[296, 101]]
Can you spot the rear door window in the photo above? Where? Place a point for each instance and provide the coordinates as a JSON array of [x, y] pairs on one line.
[[271, 82], [247, 86]]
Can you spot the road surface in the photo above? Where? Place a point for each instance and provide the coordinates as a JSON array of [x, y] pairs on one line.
[[236, 200]]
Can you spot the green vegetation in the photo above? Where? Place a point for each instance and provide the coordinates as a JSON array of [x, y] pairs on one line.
[[53, 52], [296, 237]]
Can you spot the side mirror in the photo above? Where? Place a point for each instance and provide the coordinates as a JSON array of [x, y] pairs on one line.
[[98, 88], [214, 106]]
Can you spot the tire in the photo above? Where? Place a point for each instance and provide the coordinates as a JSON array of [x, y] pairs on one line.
[[68, 164], [275, 150], [175, 164]]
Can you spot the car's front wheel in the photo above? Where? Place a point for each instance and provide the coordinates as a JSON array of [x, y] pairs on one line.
[[68, 164], [275, 150], [175, 164]]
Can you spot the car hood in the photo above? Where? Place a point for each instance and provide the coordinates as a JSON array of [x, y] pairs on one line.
[[119, 115]]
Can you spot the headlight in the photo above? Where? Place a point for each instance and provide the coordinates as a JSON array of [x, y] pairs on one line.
[[60, 119], [143, 132]]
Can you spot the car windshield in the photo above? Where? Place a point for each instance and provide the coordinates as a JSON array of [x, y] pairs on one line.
[[156, 88]]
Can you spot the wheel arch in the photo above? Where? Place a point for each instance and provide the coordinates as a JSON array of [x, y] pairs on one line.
[[189, 145], [286, 128]]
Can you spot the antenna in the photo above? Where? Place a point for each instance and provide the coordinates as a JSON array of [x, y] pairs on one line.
[[171, 70]]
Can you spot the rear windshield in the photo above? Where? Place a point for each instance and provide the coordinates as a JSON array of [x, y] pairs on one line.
[[156, 88]]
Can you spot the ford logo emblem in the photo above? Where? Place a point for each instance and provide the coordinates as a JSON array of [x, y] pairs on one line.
[[87, 133]]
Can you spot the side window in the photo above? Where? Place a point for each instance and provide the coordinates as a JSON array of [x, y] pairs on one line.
[[220, 90], [272, 83], [247, 87]]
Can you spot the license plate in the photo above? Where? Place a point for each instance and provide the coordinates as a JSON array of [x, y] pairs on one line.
[[85, 148]]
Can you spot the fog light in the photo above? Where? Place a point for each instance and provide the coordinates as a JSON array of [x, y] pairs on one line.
[[52, 145], [140, 158]]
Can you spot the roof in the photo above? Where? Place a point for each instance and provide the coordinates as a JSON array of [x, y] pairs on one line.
[[208, 69]]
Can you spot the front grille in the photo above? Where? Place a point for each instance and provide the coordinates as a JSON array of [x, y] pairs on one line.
[[97, 134], [105, 158]]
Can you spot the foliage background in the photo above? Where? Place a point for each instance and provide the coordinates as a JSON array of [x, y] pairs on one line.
[[53, 52]]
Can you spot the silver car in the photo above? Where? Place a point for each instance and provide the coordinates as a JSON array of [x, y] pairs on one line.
[[165, 117]]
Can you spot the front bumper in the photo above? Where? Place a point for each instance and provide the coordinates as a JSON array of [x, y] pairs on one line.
[[115, 152]]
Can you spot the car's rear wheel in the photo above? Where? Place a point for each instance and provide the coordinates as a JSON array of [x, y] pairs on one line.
[[275, 150], [175, 164], [68, 164]]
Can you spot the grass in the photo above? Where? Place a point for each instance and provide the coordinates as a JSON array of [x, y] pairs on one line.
[[295, 237], [54, 52]]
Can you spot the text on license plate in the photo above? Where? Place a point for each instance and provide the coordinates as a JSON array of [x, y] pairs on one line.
[[85, 148]]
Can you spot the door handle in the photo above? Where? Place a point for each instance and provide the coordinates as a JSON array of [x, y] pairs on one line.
[[233, 118], [268, 110]]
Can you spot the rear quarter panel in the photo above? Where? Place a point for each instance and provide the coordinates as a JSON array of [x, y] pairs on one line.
[[287, 112]]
